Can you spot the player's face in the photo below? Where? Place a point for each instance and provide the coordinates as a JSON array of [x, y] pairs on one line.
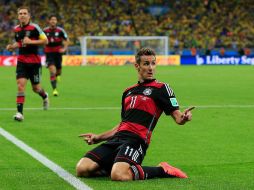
[[53, 21], [23, 16], [146, 68]]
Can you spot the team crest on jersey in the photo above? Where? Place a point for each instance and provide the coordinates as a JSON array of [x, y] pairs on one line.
[[57, 34], [147, 91], [28, 33]]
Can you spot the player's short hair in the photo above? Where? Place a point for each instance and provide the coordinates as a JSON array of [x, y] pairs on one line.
[[53, 15], [144, 51], [24, 7]]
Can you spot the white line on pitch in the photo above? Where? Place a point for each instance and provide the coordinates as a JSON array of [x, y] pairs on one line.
[[72, 180], [117, 108]]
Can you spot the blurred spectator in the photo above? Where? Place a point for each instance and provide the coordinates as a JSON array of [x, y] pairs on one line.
[[188, 23], [193, 51], [247, 51], [222, 51]]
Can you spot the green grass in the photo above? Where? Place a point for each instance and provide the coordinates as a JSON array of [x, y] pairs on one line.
[[215, 149]]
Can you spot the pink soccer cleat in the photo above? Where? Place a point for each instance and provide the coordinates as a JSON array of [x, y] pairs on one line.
[[172, 171]]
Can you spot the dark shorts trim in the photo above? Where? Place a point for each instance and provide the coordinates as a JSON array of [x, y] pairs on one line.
[[29, 71], [118, 149], [54, 59]]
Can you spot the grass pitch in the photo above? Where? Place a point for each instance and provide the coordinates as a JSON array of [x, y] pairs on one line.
[[215, 149]]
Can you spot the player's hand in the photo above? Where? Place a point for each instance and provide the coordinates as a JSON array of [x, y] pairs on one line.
[[26, 41], [10, 47], [187, 116], [62, 50], [90, 138]]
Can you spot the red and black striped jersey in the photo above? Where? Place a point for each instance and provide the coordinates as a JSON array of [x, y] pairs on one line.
[[142, 106], [55, 36], [28, 53]]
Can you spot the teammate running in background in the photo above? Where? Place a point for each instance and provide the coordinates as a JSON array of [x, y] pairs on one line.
[[58, 44], [28, 37], [122, 154]]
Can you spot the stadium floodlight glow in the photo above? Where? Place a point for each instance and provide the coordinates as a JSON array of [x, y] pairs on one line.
[[126, 44]]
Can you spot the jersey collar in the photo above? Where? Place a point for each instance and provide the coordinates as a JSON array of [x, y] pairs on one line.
[[146, 81], [23, 26]]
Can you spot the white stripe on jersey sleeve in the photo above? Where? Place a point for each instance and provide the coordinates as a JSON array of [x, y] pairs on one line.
[[42, 35], [37, 27], [169, 90], [63, 31]]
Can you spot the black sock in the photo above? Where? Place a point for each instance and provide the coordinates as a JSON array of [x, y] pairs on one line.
[[53, 80], [153, 172], [42, 94], [146, 172], [20, 99], [20, 107], [53, 84]]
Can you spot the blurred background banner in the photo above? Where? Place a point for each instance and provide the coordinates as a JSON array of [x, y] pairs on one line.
[[119, 60], [198, 32], [217, 60], [113, 60]]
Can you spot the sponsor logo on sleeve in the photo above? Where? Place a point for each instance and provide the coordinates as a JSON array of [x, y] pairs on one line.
[[174, 102]]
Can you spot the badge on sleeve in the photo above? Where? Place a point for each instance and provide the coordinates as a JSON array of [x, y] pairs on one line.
[[174, 102]]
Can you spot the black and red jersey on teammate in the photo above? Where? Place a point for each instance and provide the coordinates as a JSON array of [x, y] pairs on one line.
[[55, 36], [142, 106], [28, 53]]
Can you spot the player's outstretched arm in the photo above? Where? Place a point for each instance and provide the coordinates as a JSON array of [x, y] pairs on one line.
[[11, 47], [92, 138], [41, 41], [182, 117], [65, 47]]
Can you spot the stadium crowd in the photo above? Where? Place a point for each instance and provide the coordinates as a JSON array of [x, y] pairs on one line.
[[198, 26]]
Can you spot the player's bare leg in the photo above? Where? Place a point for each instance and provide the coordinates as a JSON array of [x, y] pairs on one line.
[[20, 99], [42, 93], [53, 81], [87, 168], [58, 75], [121, 172]]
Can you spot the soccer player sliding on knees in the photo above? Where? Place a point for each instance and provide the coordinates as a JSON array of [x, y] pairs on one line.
[[121, 156]]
